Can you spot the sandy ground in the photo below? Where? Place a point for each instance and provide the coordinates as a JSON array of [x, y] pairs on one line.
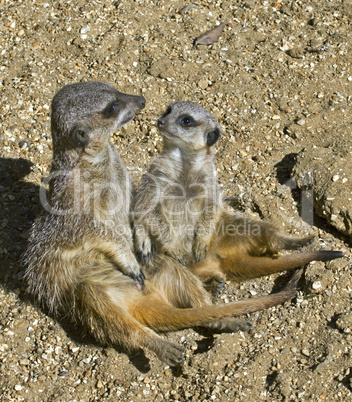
[[280, 82]]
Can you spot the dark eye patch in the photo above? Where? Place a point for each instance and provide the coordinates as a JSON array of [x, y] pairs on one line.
[[212, 136], [186, 121], [168, 111], [113, 109]]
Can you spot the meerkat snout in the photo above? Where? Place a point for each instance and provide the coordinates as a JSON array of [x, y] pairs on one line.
[[160, 123], [141, 102]]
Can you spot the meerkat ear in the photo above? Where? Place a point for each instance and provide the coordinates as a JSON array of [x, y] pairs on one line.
[[212, 136], [80, 135]]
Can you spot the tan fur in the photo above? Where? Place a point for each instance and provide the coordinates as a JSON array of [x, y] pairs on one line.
[[179, 210], [80, 262]]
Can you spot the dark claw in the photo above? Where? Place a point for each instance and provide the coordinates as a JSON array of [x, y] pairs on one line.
[[145, 258], [244, 327], [205, 251], [138, 277], [219, 287], [200, 254], [176, 360], [180, 358], [182, 260]]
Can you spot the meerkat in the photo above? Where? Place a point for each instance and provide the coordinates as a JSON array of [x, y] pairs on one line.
[[179, 209], [79, 261], [179, 201]]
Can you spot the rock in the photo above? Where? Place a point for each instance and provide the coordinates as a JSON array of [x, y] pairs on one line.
[[296, 52], [323, 171], [344, 323], [210, 37]]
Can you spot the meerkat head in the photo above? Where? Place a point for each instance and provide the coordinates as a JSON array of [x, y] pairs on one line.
[[84, 115], [188, 125]]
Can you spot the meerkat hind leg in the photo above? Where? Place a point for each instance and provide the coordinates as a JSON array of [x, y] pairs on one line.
[[104, 311], [184, 290], [291, 243], [177, 284], [230, 324], [257, 235], [159, 315], [210, 273]]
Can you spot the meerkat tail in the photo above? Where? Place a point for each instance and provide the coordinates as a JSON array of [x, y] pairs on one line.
[[161, 316], [248, 267]]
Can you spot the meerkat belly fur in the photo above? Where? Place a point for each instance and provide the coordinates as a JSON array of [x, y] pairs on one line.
[[179, 210], [80, 263]]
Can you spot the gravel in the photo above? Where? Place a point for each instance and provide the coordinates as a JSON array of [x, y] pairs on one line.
[[279, 80]]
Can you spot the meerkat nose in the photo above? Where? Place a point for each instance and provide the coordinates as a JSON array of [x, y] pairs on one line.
[[141, 102], [161, 123]]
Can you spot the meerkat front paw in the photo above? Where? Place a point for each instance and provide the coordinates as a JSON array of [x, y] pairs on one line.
[[146, 252], [200, 248], [178, 256], [135, 272], [144, 246]]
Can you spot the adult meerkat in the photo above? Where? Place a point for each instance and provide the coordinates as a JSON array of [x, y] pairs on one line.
[[179, 209], [79, 261]]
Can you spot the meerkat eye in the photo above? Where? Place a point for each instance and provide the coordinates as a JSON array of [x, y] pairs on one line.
[[187, 121], [111, 110]]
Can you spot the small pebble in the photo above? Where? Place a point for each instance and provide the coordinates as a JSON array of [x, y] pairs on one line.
[[203, 84], [252, 292], [85, 29], [23, 144], [301, 122]]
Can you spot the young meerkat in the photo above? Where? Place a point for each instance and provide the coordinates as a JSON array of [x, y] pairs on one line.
[[179, 209], [79, 261], [179, 201]]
